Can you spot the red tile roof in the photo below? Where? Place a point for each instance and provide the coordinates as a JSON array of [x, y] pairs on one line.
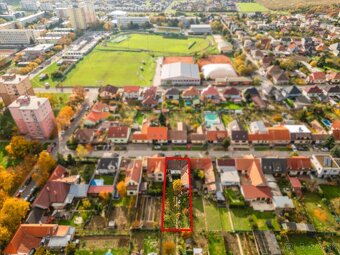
[[118, 132], [231, 91], [170, 60], [279, 133], [134, 171], [318, 76], [214, 135], [99, 107], [155, 164], [29, 236], [131, 89], [336, 124], [299, 163], [313, 90], [211, 90], [295, 182], [97, 116], [206, 165], [252, 192], [100, 189], [157, 133], [191, 92], [336, 134], [253, 168]]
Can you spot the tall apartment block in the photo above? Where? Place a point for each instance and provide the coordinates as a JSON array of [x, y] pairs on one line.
[[33, 116], [12, 86]]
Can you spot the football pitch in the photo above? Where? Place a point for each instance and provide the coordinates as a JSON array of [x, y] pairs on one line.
[[129, 59]]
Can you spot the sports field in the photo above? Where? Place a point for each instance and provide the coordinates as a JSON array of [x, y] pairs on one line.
[[127, 60], [252, 7], [157, 43], [112, 67]]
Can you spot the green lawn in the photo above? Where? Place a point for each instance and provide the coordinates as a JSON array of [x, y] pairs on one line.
[[199, 216], [330, 192], [102, 67], [216, 244], [241, 220], [300, 245], [217, 217], [321, 217], [49, 70], [252, 7], [231, 106], [157, 43]]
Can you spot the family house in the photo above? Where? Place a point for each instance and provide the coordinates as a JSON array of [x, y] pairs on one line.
[[326, 166], [178, 167], [299, 134], [84, 135], [133, 177], [108, 92], [155, 168], [232, 94], [317, 78], [108, 164], [172, 94], [216, 136], [335, 129], [299, 165], [332, 90], [118, 134], [211, 93], [274, 166], [150, 134], [253, 184], [292, 92], [31, 236], [313, 91], [180, 135], [98, 113], [334, 78], [206, 165], [228, 173], [55, 192], [131, 92], [191, 94], [239, 136]]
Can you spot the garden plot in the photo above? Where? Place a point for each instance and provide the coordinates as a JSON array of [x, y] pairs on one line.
[[118, 245], [148, 211], [120, 217]]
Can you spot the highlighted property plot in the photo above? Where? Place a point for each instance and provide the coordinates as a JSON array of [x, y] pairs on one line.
[[177, 196]]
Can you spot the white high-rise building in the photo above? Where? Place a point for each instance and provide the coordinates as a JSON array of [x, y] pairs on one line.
[[29, 5], [18, 36], [82, 15]]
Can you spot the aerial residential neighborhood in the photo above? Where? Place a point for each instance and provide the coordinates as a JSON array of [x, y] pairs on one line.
[[169, 127]]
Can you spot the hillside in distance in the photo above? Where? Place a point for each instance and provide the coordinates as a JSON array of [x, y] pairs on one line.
[[288, 4]]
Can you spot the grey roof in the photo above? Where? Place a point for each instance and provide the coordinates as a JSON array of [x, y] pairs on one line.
[[293, 91], [104, 163], [61, 241], [172, 92], [258, 126], [180, 70], [79, 190], [239, 135], [35, 215], [274, 165]]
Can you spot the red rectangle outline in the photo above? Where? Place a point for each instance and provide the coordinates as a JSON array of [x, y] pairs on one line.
[[163, 229]]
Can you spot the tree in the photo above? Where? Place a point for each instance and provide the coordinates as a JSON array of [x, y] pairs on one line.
[[329, 142], [226, 143], [107, 26], [19, 147], [12, 212], [121, 189], [5, 235], [336, 151], [43, 168], [216, 26], [177, 186], [57, 74], [79, 93], [169, 247], [201, 174], [64, 117], [6, 179], [162, 120], [81, 151]]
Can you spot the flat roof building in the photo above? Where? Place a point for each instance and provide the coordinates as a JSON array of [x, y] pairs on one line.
[[180, 74]]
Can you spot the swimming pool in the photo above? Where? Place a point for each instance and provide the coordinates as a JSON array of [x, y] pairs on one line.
[[211, 118], [326, 122], [97, 182]]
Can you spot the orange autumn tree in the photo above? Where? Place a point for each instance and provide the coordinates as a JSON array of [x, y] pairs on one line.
[[169, 247], [44, 166], [64, 117], [6, 179], [121, 188]]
